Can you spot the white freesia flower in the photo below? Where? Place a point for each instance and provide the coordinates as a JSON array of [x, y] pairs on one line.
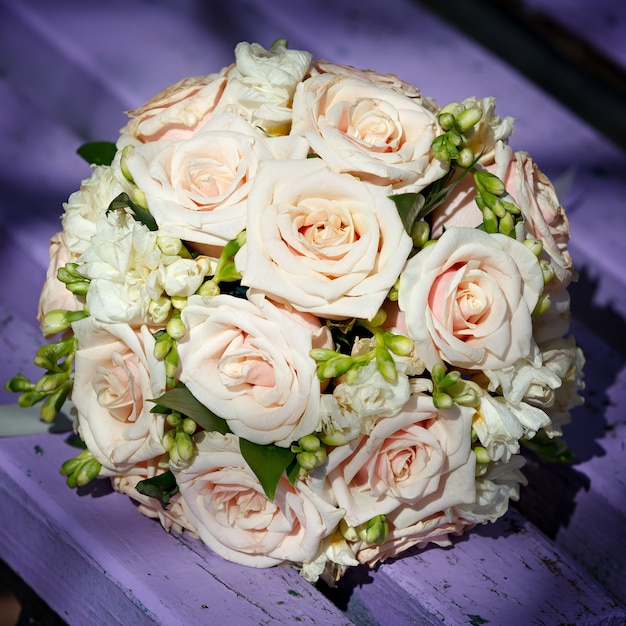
[[494, 490], [183, 277], [334, 558], [261, 85], [85, 206]]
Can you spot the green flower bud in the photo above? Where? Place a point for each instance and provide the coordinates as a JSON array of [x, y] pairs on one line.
[[179, 302], [78, 288], [349, 532], [54, 402], [208, 288], [489, 182], [139, 198], [169, 439], [333, 438], [420, 232], [468, 118], [189, 426], [173, 419], [54, 322], [507, 225], [534, 245], [446, 120], [184, 446], [543, 304], [442, 400], [228, 273], [490, 221], [176, 328], [386, 365], [124, 163], [322, 354], [398, 344], [466, 157], [309, 443], [87, 472], [547, 270], [19, 383], [378, 319], [162, 347], [171, 246], [51, 381], [307, 460], [30, 398], [455, 108], [376, 529], [335, 366], [482, 456]]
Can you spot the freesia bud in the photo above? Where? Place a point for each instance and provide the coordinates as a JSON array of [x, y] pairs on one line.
[[468, 118], [309, 443], [176, 328], [162, 346], [466, 157], [307, 460], [19, 383], [482, 456], [543, 304], [489, 182], [376, 529], [547, 270], [189, 426], [420, 232], [179, 302], [349, 532], [184, 446], [124, 163], [534, 245], [333, 438], [139, 198], [170, 246], [455, 108], [54, 322], [335, 367], [208, 288], [446, 120], [399, 344], [169, 439], [386, 365]]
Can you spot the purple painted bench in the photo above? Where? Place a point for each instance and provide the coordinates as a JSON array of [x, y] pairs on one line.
[[92, 557]]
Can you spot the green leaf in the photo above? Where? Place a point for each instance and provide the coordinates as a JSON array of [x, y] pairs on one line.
[[141, 215], [267, 462], [98, 152], [180, 399], [408, 206], [161, 487], [548, 450]]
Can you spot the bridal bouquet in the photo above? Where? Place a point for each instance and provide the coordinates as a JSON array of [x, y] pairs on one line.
[[308, 315]]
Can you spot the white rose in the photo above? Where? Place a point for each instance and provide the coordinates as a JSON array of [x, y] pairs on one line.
[[468, 300], [261, 85], [249, 363], [419, 459], [85, 206], [234, 518], [368, 130], [196, 189], [322, 242], [116, 373], [120, 262]]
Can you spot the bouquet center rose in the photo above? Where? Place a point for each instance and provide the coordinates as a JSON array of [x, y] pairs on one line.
[[308, 315]]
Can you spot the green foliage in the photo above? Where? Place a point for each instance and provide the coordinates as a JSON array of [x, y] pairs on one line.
[[140, 214], [98, 152], [161, 487], [267, 462]]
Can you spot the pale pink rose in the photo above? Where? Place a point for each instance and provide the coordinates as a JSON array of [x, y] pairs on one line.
[[469, 298], [54, 294], [249, 363], [416, 459], [368, 130], [197, 188], [172, 518], [532, 191], [322, 242], [116, 374], [233, 516], [178, 111], [392, 81], [436, 530]]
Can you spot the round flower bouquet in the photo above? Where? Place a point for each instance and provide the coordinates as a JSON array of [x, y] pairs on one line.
[[308, 315]]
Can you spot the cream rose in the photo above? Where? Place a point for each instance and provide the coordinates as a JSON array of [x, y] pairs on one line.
[[261, 85], [197, 188], [54, 294], [177, 112], [419, 459], [116, 373], [468, 300], [234, 518], [248, 361], [368, 130], [322, 242]]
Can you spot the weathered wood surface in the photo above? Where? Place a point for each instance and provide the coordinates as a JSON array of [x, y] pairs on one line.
[[68, 70]]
